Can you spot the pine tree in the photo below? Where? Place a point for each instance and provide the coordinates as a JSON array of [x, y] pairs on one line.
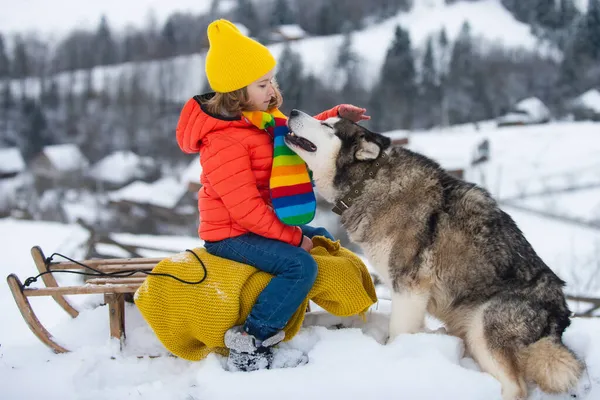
[[282, 14], [347, 66], [4, 60], [290, 79], [34, 133], [7, 97], [592, 19], [462, 79], [51, 97], [429, 110], [106, 48], [393, 97], [330, 20], [246, 14], [168, 40]]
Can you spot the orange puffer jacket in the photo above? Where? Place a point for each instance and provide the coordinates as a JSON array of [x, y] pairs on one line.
[[236, 160]]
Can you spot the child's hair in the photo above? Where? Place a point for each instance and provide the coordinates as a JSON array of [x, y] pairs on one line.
[[233, 103]]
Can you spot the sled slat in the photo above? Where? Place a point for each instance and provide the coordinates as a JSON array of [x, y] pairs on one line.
[[49, 281], [84, 289], [108, 281], [29, 316], [137, 263]]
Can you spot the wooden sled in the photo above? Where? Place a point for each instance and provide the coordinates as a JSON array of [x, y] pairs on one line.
[[114, 289]]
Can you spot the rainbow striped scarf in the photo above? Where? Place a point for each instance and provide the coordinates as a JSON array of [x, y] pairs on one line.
[[290, 184]]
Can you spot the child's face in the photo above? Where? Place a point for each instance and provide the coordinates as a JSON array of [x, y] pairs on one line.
[[261, 91]]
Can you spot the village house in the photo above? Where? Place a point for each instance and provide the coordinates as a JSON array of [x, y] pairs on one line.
[[286, 33], [59, 166], [587, 106], [162, 207], [122, 168]]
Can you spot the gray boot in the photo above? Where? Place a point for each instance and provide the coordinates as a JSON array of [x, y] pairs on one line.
[[246, 353]]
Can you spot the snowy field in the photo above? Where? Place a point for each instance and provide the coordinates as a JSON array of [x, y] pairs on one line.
[[346, 363]]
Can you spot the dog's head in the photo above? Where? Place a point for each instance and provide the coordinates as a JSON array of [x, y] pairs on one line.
[[336, 150]]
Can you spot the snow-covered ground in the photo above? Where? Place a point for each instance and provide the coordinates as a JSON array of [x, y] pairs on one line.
[[345, 363]]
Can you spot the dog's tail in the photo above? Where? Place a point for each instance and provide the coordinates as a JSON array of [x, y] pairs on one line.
[[551, 365]]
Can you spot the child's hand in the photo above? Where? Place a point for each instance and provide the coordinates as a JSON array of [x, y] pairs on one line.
[[353, 113], [307, 244]]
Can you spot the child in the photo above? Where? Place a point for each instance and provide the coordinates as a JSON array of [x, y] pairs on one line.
[[237, 219]]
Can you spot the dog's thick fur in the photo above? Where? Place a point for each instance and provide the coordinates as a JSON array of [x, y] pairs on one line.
[[445, 247]]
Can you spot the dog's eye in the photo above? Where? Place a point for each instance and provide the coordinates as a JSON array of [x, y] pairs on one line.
[[327, 125]]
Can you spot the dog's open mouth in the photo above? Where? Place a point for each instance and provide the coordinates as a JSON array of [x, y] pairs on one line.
[[299, 141]]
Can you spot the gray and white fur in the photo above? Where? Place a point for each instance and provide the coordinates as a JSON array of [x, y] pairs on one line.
[[445, 247]]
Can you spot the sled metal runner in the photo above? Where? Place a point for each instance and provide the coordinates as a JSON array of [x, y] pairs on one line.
[[114, 289]]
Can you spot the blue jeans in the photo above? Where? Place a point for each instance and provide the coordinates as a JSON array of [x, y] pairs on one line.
[[294, 271]]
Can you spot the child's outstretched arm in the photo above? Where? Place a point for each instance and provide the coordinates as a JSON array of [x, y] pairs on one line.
[[226, 165]]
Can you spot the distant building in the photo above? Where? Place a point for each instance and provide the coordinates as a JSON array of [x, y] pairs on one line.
[[587, 106], [60, 165], [191, 175], [286, 33], [398, 137], [121, 168], [158, 207], [526, 112], [11, 162]]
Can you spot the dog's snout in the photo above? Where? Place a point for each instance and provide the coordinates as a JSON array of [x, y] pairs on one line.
[[294, 113]]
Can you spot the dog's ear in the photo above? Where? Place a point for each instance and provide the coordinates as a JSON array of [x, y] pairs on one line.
[[367, 150], [370, 145]]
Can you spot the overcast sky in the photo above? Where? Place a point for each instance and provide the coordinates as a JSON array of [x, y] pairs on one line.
[[59, 16]]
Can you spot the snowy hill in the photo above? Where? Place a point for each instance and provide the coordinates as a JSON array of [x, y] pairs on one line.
[[182, 77], [345, 363]]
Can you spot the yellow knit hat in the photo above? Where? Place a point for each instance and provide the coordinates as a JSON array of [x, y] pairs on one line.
[[234, 60]]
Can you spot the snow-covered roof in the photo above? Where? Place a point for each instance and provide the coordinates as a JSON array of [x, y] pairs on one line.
[[589, 100], [11, 161], [165, 193], [291, 31], [120, 167], [65, 157], [192, 173], [534, 107]]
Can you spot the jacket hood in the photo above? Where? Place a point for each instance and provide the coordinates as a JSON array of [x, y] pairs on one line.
[[195, 122]]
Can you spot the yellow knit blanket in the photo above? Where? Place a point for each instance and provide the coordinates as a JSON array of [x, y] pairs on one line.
[[191, 320]]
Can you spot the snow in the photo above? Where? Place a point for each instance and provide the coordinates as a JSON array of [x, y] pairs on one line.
[[582, 5], [65, 157], [192, 173], [120, 167], [346, 363], [165, 192], [349, 363], [11, 161], [589, 100]]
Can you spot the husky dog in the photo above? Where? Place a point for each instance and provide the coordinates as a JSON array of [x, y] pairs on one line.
[[444, 247]]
